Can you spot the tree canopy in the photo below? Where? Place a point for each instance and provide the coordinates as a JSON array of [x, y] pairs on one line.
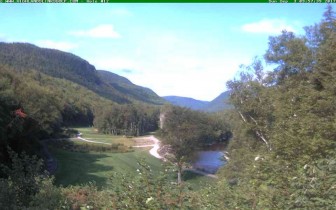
[[282, 155]]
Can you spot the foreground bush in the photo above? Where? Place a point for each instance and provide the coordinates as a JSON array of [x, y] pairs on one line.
[[28, 187]]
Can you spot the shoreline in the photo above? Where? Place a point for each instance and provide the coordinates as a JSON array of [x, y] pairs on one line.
[[154, 152]]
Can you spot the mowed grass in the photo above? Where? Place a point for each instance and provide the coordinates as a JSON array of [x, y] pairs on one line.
[[76, 168], [92, 134]]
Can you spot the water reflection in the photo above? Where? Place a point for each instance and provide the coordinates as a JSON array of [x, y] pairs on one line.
[[209, 161]]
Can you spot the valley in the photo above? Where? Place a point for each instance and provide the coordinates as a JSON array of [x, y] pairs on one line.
[[76, 168], [75, 137]]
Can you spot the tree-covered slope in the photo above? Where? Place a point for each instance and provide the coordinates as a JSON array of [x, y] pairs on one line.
[[220, 103], [24, 56], [129, 89]]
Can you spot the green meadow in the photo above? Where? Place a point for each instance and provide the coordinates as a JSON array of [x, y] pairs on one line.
[[91, 133], [75, 168], [79, 168]]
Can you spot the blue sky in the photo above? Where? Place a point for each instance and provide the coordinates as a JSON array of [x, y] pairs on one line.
[[187, 50]]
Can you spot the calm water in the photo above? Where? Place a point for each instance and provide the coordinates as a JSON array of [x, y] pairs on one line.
[[209, 161]]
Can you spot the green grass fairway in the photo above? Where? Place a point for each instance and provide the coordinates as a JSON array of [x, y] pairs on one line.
[[75, 168], [79, 168], [91, 134]]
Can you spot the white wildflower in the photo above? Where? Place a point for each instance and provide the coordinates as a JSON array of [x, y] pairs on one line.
[[149, 200]]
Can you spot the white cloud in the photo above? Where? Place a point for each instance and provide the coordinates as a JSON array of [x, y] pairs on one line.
[[171, 65], [203, 80], [174, 65], [101, 31], [268, 26], [64, 46]]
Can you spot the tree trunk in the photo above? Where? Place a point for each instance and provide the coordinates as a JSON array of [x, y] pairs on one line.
[[242, 116], [179, 173]]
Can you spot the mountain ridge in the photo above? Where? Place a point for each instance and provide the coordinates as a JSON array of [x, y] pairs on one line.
[[64, 65], [130, 89], [219, 103], [186, 102]]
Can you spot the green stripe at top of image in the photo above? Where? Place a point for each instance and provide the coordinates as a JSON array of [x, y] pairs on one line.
[[167, 1]]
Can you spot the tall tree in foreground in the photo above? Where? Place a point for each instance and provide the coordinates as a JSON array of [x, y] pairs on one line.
[[181, 134], [186, 131], [252, 102]]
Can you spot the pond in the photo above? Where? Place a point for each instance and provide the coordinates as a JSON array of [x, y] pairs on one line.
[[209, 161]]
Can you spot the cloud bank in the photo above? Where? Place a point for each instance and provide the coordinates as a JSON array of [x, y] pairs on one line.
[[268, 26], [100, 31]]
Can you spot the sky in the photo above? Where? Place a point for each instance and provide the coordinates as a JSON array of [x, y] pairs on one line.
[[188, 50]]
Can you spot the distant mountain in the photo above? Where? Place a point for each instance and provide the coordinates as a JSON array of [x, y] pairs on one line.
[[187, 102], [218, 104], [24, 56]]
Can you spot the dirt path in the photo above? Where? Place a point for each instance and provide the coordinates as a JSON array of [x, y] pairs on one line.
[[154, 150], [146, 139], [96, 142], [155, 143]]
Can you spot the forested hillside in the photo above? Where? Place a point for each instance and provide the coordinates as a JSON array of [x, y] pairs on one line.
[[281, 135], [24, 57], [43, 92], [34, 106], [220, 103], [128, 89], [283, 153]]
